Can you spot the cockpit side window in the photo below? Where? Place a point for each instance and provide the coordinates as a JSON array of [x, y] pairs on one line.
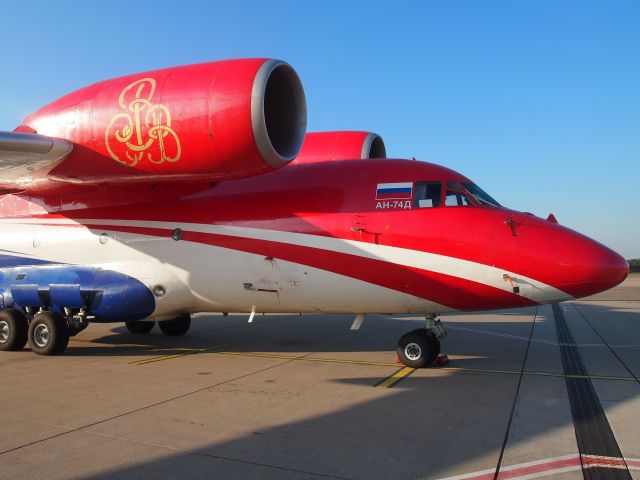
[[427, 194], [457, 199], [456, 196]]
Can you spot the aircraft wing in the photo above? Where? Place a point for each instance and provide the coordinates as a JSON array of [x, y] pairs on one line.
[[27, 158]]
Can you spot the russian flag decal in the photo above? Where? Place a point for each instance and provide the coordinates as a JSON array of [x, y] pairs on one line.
[[399, 191]]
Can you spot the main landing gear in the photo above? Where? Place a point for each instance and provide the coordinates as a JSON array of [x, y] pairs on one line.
[[420, 348], [13, 330], [173, 327], [47, 333], [139, 327]]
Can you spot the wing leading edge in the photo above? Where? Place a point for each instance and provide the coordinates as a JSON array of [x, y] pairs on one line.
[[27, 158]]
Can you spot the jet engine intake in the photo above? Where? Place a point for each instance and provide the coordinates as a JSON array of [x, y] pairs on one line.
[[341, 145], [209, 121]]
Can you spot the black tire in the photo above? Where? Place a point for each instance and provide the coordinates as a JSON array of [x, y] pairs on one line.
[[139, 327], [176, 326], [13, 330], [48, 334], [418, 349]]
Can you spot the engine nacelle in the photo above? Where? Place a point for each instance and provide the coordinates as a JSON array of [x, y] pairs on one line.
[[214, 120], [329, 146]]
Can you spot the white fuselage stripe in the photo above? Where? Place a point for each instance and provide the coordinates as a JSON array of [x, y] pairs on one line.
[[465, 269]]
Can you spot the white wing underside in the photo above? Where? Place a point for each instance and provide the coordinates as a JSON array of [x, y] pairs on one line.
[[27, 158]]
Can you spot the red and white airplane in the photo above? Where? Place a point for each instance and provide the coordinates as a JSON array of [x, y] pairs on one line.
[[157, 195]]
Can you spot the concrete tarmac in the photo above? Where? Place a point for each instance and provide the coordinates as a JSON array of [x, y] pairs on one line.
[[295, 397]]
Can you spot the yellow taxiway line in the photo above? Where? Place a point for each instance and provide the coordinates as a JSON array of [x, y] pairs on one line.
[[394, 378], [307, 359], [183, 352], [177, 352], [389, 364]]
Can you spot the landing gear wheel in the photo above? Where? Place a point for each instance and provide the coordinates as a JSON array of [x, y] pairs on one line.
[[48, 334], [418, 349], [139, 327], [177, 326], [13, 330]]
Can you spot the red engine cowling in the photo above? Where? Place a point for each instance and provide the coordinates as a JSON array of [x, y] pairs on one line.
[[214, 120], [329, 146]]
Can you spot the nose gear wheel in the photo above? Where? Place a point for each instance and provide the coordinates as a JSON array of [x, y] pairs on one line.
[[418, 349]]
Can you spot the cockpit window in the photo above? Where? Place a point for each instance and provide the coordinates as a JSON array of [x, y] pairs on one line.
[[480, 195], [456, 196], [427, 194], [457, 199]]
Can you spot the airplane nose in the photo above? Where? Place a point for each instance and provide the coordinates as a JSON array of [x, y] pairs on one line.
[[568, 260], [600, 269]]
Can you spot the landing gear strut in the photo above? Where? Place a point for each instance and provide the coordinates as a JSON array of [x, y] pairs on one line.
[[420, 348]]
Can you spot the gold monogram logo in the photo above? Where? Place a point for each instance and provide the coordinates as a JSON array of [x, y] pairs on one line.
[[142, 125]]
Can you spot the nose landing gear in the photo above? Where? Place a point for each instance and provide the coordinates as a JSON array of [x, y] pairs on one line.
[[420, 348]]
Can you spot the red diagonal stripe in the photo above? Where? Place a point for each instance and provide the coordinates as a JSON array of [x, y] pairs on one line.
[[455, 292]]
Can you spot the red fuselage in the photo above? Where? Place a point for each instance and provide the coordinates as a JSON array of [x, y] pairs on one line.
[[337, 200]]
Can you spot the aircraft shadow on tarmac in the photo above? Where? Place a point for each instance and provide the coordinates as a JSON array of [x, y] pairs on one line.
[[330, 333], [421, 428], [290, 334]]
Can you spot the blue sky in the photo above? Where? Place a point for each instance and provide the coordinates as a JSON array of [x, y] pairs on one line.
[[538, 102]]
